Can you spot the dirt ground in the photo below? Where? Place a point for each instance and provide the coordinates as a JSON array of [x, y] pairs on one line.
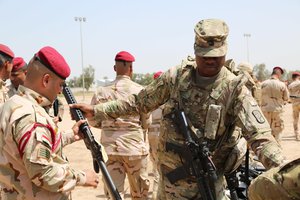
[[80, 157]]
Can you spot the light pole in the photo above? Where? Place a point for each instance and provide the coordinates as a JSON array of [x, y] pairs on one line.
[[247, 36], [80, 20]]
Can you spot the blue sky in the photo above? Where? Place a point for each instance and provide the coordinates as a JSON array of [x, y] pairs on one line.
[[158, 33]]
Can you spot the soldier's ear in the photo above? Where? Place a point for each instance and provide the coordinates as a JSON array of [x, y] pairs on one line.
[[45, 79], [115, 68]]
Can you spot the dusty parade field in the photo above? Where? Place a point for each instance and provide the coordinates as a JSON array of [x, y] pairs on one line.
[[80, 157]]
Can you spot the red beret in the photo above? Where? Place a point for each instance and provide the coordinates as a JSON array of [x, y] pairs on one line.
[[296, 73], [124, 56], [51, 59], [18, 63], [6, 50], [157, 74], [282, 72]]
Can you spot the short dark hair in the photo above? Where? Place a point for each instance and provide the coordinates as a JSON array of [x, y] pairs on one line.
[[4, 58]]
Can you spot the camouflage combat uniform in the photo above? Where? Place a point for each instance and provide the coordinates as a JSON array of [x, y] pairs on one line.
[[32, 164], [11, 90], [274, 94], [124, 139], [280, 183], [294, 89], [3, 92], [153, 134], [227, 102]]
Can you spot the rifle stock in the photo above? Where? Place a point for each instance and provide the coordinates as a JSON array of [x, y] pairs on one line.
[[92, 145]]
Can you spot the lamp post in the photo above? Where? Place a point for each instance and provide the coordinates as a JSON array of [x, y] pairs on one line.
[[247, 36], [80, 20]]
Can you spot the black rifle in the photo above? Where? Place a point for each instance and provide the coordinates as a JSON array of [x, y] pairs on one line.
[[55, 107], [201, 165], [92, 145], [232, 184]]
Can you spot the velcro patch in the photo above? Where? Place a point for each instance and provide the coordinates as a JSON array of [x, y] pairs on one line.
[[258, 116], [44, 153]]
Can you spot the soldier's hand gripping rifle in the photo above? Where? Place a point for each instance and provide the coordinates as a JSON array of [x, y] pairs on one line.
[[201, 165], [92, 145]]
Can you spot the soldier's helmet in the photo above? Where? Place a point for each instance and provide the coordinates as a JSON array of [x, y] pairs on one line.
[[210, 39]]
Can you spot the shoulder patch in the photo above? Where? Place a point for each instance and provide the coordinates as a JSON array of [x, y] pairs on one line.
[[258, 116]]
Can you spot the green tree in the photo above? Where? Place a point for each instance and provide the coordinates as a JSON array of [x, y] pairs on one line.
[[89, 76], [260, 72], [142, 79]]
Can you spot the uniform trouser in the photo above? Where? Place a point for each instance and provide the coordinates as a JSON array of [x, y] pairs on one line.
[[296, 110], [187, 189], [280, 183], [136, 169], [153, 142], [275, 120]]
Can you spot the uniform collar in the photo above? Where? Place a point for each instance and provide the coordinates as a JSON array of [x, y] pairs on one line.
[[33, 96], [122, 77]]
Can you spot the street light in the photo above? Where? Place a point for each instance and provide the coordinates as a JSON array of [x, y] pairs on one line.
[[80, 20], [247, 36]]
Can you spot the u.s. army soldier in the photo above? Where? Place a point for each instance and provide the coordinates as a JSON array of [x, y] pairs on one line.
[[213, 99]]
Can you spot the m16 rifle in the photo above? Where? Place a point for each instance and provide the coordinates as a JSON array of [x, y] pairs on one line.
[[92, 145], [197, 159]]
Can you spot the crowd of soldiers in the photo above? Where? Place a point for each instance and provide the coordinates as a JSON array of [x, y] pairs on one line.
[[134, 119]]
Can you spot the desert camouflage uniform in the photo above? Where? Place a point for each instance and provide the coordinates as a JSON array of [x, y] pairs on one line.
[[274, 94], [11, 90], [32, 164], [3, 92], [124, 139], [179, 86], [294, 89], [280, 183], [153, 134]]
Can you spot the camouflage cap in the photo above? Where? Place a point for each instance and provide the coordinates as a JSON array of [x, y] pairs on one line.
[[245, 66], [210, 40]]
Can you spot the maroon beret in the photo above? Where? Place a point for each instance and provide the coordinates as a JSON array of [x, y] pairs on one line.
[[157, 74], [18, 63], [6, 50], [124, 56], [51, 59], [279, 69], [296, 73]]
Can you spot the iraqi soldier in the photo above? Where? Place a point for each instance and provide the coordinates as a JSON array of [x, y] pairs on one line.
[[209, 94], [33, 165], [6, 63], [294, 89], [17, 76], [280, 183], [274, 95], [123, 138], [153, 134]]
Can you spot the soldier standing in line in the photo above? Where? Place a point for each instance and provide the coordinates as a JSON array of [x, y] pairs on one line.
[[33, 165], [153, 137], [208, 93], [6, 59], [274, 96], [123, 138], [17, 76], [294, 89], [6, 64]]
